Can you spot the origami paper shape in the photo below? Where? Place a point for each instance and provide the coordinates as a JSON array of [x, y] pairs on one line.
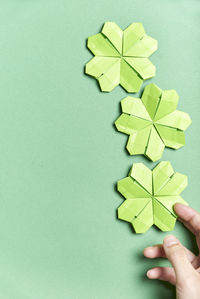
[[121, 57], [153, 122], [150, 196]]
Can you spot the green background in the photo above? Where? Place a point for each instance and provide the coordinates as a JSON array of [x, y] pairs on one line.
[[60, 156]]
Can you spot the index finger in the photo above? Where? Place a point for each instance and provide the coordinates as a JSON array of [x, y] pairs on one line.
[[189, 217]]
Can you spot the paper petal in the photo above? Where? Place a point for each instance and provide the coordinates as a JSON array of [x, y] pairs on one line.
[[169, 202], [171, 137], [167, 104], [99, 65], [151, 98], [142, 66], [132, 34], [144, 220], [111, 78], [137, 142], [101, 46], [131, 189], [134, 106], [176, 119], [144, 47], [143, 175], [114, 33], [130, 124], [155, 146], [161, 175], [130, 208], [129, 79], [177, 183], [163, 219]]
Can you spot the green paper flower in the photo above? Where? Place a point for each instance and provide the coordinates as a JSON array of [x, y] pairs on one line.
[[121, 57], [153, 122], [150, 196]]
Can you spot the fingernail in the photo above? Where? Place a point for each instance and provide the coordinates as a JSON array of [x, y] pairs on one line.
[[177, 206], [147, 250], [150, 247], [150, 273], [170, 241]]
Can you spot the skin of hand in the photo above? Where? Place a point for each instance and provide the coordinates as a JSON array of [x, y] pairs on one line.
[[185, 270]]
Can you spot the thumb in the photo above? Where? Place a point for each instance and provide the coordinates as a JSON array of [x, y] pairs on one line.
[[177, 256]]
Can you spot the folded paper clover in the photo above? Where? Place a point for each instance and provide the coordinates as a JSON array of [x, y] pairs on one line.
[[121, 57], [150, 196], [153, 122]]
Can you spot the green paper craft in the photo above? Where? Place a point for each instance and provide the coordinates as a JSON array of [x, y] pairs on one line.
[[150, 196], [153, 122], [121, 57]]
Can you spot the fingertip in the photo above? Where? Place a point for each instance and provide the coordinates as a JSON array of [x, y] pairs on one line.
[[148, 251], [170, 241], [179, 207], [183, 211], [154, 251], [152, 273], [162, 273]]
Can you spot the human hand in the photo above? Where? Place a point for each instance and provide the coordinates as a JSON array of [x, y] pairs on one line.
[[185, 271]]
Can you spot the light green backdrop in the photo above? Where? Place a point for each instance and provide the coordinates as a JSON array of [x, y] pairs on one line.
[[60, 155]]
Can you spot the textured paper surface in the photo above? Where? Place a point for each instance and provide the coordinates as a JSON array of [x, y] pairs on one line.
[[153, 122], [150, 196], [121, 57]]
